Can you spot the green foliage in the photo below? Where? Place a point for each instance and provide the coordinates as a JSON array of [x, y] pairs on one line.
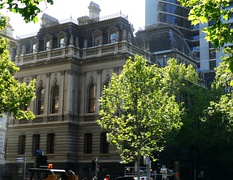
[[215, 13], [3, 21], [222, 106], [14, 95], [139, 107], [28, 9], [208, 120], [216, 130]]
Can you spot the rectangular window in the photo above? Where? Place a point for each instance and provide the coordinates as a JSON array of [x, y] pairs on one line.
[[112, 38], [21, 144], [61, 42], [35, 143], [212, 53], [34, 48], [212, 64], [50, 143], [97, 41], [104, 144], [88, 143], [47, 45]]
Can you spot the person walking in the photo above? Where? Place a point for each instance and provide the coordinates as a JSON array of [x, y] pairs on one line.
[[107, 177]]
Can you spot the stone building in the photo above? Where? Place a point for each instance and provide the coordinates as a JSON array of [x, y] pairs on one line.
[[71, 61]]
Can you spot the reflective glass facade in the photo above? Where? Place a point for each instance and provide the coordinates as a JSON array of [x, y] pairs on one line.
[[171, 12]]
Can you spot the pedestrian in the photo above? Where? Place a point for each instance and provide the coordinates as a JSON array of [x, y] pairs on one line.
[[107, 177]]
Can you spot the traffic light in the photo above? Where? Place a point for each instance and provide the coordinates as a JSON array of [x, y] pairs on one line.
[[41, 161]]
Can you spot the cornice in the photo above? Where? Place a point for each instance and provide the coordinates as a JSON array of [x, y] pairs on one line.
[[58, 61]]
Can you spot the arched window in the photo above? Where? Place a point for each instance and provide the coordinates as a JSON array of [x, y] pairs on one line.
[[40, 101], [35, 143], [55, 99], [92, 99], [88, 143], [21, 144]]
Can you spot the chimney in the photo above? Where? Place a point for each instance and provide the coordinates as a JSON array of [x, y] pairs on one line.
[[94, 10]]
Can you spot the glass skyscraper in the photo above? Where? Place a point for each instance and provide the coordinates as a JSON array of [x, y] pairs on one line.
[[171, 12]]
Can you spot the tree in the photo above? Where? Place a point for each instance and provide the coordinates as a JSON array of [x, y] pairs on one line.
[[217, 126], [15, 96], [139, 107], [214, 13], [222, 107], [28, 9]]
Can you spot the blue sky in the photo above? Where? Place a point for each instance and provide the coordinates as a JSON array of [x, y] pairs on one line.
[[64, 9]]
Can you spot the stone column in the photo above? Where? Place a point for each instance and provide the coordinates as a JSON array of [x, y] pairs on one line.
[[47, 97], [62, 92], [98, 89], [83, 93]]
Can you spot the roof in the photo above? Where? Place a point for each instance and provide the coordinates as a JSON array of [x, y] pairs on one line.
[[162, 37]]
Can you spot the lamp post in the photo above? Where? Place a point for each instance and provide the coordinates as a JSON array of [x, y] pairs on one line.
[[24, 169], [96, 167], [163, 171]]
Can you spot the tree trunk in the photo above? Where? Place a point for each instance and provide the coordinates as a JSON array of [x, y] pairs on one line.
[[138, 173]]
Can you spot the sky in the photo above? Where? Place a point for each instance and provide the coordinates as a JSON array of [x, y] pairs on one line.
[[64, 9]]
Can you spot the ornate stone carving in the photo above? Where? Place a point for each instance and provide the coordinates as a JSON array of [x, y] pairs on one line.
[[41, 83], [129, 37], [77, 42], [85, 43], [71, 40], [124, 35], [55, 80], [23, 50], [18, 50], [91, 80], [117, 36]]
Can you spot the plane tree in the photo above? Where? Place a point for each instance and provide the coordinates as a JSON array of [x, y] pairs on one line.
[[218, 117], [139, 107], [15, 96]]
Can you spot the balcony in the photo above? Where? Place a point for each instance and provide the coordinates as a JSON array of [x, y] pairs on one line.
[[80, 54]]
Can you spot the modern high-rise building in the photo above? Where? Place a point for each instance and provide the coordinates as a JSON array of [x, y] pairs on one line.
[[171, 12], [209, 58]]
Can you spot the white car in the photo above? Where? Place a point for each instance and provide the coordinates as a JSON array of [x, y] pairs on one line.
[[141, 178]]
